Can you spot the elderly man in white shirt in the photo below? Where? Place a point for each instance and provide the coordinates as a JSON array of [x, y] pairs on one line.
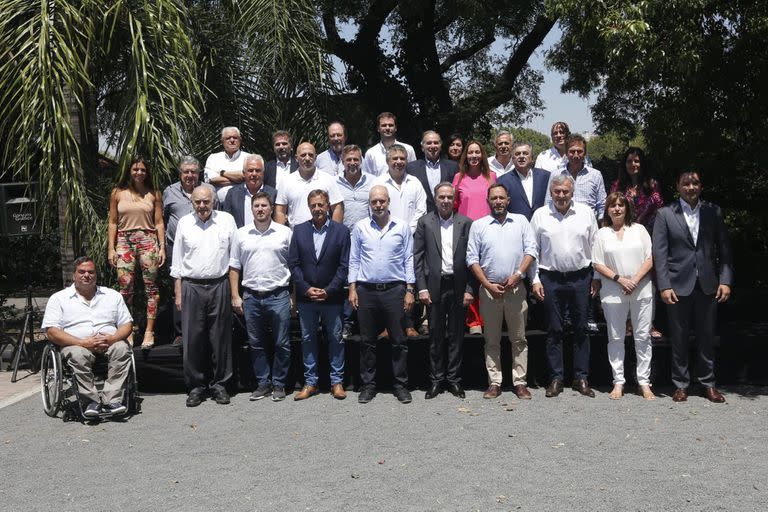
[[200, 268], [225, 168], [375, 161], [502, 162], [291, 203], [86, 320], [565, 232]]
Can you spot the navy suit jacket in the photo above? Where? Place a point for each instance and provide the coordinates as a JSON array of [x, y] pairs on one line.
[[329, 271], [234, 203], [418, 169], [270, 171], [518, 201], [680, 263]]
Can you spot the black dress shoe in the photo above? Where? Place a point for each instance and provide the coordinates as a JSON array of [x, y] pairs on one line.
[[582, 387], [402, 394], [220, 395], [456, 390], [555, 388], [433, 391], [366, 394], [195, 397]]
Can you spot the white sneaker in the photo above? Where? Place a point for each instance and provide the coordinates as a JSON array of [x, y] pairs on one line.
[[476, 330]]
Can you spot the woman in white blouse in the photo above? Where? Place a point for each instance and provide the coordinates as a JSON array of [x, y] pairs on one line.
[[622, 259]]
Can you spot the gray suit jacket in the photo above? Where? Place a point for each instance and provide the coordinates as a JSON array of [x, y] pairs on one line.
[[428, 259], [679, 262]]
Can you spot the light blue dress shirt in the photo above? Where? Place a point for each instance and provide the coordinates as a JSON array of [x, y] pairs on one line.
[[499, 247], [355, 198], [381, 255], [318, 237]]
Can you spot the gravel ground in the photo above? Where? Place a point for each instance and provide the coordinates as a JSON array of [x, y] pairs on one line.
[[568, 453]]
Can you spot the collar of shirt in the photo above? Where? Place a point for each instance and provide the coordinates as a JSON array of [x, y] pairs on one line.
[[269, 229], [315, 176], [584, 170], [283, 165], [248, 192], [555, 213], [687, 208], [524, 177], [234, 156], [208, 222], [432, 165], [508, 217], [390, 225], [74, 294], [445, 222], [344, 181], [323, 228]]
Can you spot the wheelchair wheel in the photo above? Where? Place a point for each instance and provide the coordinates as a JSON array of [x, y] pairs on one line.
[[51, 375], [132, 400]]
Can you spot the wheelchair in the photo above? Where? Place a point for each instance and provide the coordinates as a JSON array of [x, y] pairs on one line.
[[58, 386]]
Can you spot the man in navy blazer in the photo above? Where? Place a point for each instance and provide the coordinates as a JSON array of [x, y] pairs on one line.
[[694, 272], [318, 259], [283, 163], [527, 186], [238, 200], [432, 170]]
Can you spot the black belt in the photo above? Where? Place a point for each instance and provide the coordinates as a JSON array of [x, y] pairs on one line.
[[204, 281], [267, 293], [573, 274], [381, 286], [446, 277]]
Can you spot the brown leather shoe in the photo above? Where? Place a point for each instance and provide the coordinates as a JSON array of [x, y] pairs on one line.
[[680, 395], [713, 395], [522, 392], [493, 391], [582, 386], [410, 332], [555, 388], [305, 393], [337, 391]]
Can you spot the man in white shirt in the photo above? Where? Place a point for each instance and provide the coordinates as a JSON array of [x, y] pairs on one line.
[[565, 232], [86, 320], [225, 168], [554, 158], [375, 161], [407, 200], [291, 204], [260, 254], [283, 164], [238, 202], [501, 163], [200, 267], [330, 161]]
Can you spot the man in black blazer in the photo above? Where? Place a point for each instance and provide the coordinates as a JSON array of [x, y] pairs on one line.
[[444, 284], [318, 259], [526, 185], [694, 272], [432, 169], [283, 163], [238, 200]]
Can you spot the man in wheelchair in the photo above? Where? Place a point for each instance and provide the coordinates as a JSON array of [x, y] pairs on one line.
[[86, 320]]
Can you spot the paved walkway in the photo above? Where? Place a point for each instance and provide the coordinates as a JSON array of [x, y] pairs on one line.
[[12, 392]]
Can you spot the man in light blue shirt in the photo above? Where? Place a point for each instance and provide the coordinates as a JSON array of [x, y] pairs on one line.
[[381, 288], [354, 186], [331, 161], [500, 252]]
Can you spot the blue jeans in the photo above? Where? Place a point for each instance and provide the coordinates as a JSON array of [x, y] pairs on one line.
[[261, 312], [310, 313]]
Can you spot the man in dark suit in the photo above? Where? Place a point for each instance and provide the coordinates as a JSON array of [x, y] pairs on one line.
[[443, 281], [318, 259], [283, 164], [432, 169], [526, 185], [238, 200], [694, 272]]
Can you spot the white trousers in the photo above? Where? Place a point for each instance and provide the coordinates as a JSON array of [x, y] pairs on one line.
[[640, 312]]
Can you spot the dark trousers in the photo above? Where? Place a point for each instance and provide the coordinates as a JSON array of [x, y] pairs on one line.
[[701, 310], [569, 292], [446, 334], [206, 323], [175, 312], [378, 310]]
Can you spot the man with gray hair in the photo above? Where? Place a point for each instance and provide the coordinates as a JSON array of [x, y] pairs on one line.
[[177, 202], [565, 232], [431, 170], [238, 201], [225, 168], [501, 163]]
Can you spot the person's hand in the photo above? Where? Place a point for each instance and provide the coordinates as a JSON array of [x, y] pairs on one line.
[[178, 302], [425, 298], [112, 257], [723, 293], [668, 296], [237, 305], [538, 291], [512, 281], [353, 299], [594, 288], [408, 301], [495, 289], [315, 294], [468, 298], [161, 257], [627, 285], [96, 343]]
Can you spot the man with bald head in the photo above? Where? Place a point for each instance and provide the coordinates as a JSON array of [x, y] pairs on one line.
[[291, 204], [432, 170], [381, 288], [331, 161], [225, 168], [238, 201], [200, 269]]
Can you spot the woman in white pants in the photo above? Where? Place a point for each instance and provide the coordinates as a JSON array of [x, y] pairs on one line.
[[622, 259]]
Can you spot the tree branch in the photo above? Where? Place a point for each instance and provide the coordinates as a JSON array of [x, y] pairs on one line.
[[373, 21], [469, 51]]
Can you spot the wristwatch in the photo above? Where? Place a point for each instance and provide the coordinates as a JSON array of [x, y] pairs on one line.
[[410, 290], [221, 173], [616, 277], [518, 273]]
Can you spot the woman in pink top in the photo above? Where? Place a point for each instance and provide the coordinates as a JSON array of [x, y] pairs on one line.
[[471, 183], [137, 234]]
